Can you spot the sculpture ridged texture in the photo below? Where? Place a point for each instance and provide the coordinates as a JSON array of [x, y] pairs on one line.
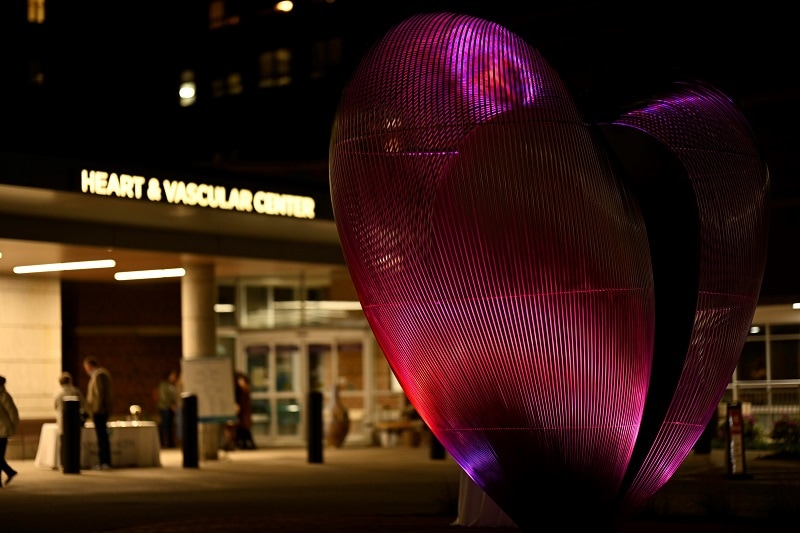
[[511, 258]]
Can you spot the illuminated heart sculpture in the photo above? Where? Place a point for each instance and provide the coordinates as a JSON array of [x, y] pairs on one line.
[[563, 303]]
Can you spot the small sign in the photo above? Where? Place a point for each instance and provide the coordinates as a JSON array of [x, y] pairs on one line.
[[734, 453], [211, 380]]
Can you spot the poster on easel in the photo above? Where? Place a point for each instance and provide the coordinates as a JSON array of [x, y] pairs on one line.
[[211, 380]]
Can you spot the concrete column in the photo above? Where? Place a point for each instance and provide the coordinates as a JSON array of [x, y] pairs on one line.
[[199, 323], [199, 333]]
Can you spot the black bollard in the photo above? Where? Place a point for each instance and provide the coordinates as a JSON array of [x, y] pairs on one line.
[[315, 427], [71, 435], [191, 441], [437, 450]]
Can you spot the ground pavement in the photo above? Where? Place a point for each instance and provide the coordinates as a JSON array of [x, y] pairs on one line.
[[358, 489]]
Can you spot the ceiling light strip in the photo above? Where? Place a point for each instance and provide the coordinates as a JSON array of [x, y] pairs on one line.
[[150, 274], [58, 267]]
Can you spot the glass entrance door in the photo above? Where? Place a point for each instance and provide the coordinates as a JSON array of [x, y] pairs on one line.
[[275, 376], [284, 367], [257, 367], [287, 398]]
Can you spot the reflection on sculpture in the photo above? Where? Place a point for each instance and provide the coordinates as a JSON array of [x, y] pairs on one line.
[[562, 302]]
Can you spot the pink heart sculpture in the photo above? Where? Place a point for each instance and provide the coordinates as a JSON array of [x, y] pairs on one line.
[[563, 302]]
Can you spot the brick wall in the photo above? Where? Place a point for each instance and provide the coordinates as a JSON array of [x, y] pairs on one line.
[[133, 329]]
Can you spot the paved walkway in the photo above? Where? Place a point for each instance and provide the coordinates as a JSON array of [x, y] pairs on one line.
[[356, 489]]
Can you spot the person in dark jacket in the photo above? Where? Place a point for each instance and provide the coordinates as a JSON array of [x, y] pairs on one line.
[[98, 405], [244, 436], [168, 407], [9, 420]]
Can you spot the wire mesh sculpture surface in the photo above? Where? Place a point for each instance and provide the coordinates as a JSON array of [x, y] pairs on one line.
[[563, 303]]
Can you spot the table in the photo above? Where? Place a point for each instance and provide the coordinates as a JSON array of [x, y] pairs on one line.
[[390, 431], [132, 444]]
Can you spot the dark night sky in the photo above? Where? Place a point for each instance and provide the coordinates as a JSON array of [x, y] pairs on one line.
[[609, 54]]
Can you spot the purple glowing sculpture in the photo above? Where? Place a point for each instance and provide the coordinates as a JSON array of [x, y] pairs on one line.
[[562, 302]]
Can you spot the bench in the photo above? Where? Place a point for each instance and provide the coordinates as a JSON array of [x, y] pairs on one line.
[[390, 432]]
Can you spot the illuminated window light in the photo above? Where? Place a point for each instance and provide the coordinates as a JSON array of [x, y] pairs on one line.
[[187, 94], [284, 6], [36, 11], [58, 267], [325, 305], [150, 274], [224, 308], [796, 305], [754, 330]]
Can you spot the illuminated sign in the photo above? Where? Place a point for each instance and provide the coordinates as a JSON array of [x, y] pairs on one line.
[[199, 194]]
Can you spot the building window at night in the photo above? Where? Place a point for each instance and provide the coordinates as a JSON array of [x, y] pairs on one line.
[[767, 377], [275, 68], [36, 11], [35, 72], [325, 55], [220, 14], [753, 361], [234, 83], [784, 359], [187, 90], [217, 88], [225, 307]]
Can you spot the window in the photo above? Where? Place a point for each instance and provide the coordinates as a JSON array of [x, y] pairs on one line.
[[785, 329], [753, 362], [217, 87], [275, 68], [258, 367], [756, 396], [234, 83], [36, 11], [226, 306], [325, 55], [767, 376], [186, 91], [216, 13], [222, 13], [35, 72], [226, 347], [785, 359], [257, 299], [284, 6]]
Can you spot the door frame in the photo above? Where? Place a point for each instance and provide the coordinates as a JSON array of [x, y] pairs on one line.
[[302, 339]]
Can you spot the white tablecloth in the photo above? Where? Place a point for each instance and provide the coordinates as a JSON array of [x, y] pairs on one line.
[[132, 444]]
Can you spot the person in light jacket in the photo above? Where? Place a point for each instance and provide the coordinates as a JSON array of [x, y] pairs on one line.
[[68, 388], [9, 420]]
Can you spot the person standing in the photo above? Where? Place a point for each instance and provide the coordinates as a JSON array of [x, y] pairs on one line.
[[68, 388], [167, 407], [179, 410], [9, 420], [244, 403], [98, 405]]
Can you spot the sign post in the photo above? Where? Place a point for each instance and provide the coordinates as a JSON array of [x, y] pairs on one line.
[[734, 451]]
